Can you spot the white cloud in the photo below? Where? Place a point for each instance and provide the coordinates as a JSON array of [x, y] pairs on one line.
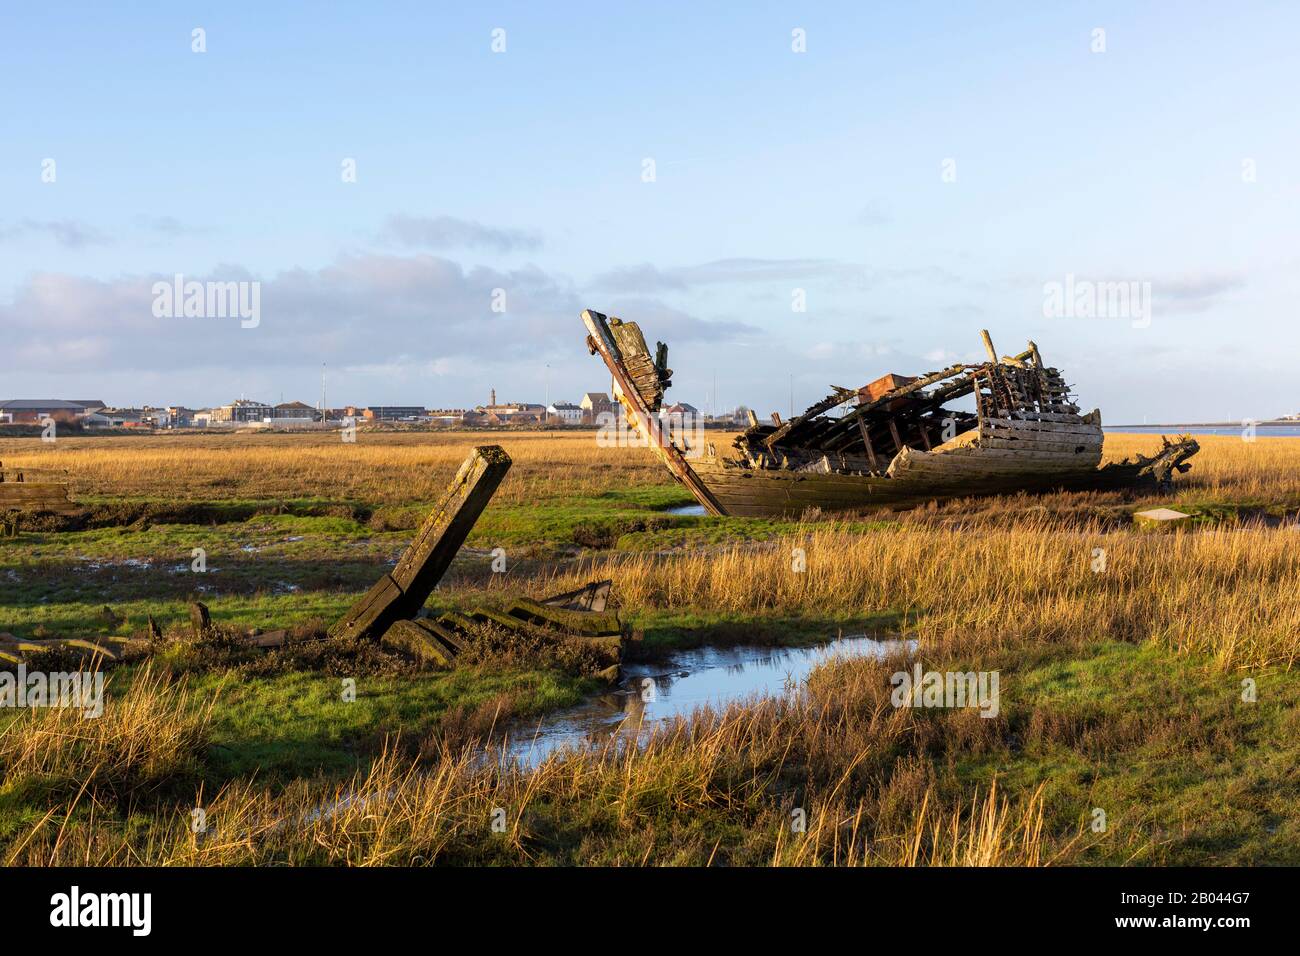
[[389, 319], [648, 278], [68, 233], [447, 232]]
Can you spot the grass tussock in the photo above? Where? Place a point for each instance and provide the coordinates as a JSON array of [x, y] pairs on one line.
[[150, 737]]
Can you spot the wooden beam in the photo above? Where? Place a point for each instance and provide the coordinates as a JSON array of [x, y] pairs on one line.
[[402, 593], [639, 415], [988, 346], [866, 440], [200, 619], [962, 384], [893, 430], [839, 396]]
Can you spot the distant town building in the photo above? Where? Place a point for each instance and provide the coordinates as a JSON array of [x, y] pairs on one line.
[[177, 416], [392, 413], [104, 418], [564, 413], [514, 413], [593, 404], [120, 418], [506, 413], [32, 411], [248, 413], [446, 417], [296, 412], [683, 409], [242, 411]]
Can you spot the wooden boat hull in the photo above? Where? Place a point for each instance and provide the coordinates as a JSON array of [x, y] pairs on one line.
[[751, 492], [1006, 456]]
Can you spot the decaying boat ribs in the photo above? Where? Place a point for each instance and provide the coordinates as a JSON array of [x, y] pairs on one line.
[[892, 443]]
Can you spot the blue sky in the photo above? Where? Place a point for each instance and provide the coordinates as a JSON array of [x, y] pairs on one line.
[[775, 171]]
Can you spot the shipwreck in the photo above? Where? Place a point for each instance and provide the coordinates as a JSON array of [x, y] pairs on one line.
[[896, 442]]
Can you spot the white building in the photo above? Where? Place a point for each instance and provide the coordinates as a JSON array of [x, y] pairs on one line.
[[564, 413]]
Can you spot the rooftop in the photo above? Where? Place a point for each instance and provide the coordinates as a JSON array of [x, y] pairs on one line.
[[39, 404]]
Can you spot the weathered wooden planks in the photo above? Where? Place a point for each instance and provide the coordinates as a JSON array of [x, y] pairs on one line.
[[1039, 444], [990, 463], [35, 496], [372, 609], [576, 622], [917, 480], [445, 639], [402, 593], [18, 492], [108, 650], [591, 597], [1013, 426], [411, 638]]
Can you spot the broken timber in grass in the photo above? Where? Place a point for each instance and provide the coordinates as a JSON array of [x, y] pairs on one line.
[[391, 610], [96, 651], [34, 490], [401, 594], [894, 444], [441, 640]]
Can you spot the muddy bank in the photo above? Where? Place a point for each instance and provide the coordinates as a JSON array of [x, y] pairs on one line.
[[141, 514]]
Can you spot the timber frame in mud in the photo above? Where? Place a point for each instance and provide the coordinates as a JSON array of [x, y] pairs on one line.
[[895, 442], [392, 610]]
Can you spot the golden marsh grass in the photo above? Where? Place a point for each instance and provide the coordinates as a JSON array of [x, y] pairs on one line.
[[391, 467]]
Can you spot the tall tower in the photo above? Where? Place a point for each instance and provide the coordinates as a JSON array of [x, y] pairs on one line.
[[492, 402]]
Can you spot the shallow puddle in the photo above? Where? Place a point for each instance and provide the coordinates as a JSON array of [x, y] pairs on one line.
[[650, 694], [685, 510]]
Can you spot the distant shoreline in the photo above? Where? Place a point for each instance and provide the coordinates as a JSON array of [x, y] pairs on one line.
[[1276, 423]]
